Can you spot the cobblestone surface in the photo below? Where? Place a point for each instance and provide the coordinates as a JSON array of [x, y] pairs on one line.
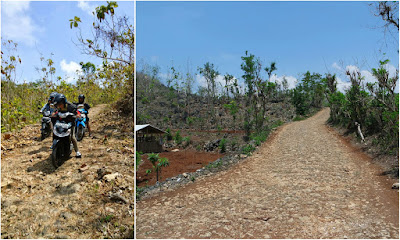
[[304, 182]]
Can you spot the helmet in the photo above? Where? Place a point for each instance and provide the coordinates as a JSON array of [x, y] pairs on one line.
[[52, 96], [60, 98], [81, 96]]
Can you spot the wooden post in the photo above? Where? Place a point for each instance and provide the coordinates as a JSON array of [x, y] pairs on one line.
[[359, 131]]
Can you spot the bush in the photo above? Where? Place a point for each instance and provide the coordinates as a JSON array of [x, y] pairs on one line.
[[190, 120], [178, 138], [222, 145], [138, 158], [186, 141], [259, 137], [248, 149], [145, 100], [168, 134]]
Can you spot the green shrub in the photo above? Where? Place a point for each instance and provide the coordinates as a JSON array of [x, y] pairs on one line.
[[234, 144], [158, 163], [145, 100], [222, 145], [186, 141], [215, 164], [248, 149], [168, 134], [138, 159], [178, 138], [190, 120], [298, 118], [259, 137]]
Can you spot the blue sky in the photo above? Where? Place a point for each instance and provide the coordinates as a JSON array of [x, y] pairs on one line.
[[300, 36], [43, 27]]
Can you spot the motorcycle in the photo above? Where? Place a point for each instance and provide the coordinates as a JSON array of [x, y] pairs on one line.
[[80, 123], [62, 144], [46, 125]]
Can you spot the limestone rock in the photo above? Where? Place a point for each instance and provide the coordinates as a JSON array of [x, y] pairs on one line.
[[111, 177]]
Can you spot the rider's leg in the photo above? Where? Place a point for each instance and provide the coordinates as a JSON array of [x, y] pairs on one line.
[[88, 126], [75, 143]]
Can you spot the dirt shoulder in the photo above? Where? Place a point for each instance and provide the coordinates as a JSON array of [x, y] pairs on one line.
[[389, 163], [302, 183], [72, 201]]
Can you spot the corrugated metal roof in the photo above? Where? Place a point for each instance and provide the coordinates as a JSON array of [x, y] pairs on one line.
[[141, 127]]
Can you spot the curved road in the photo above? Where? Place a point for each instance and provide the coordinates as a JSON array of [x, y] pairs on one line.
[[304, 182]]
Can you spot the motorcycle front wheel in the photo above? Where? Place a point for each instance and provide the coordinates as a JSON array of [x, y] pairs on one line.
[[43, 132], [58, 155]]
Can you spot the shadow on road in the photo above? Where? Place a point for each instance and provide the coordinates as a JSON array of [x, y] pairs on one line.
[[44, 166], [42, 149]]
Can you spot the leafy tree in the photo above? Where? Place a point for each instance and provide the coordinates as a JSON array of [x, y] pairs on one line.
[[158, 163], [210, 74], [228, 79], [375, 105], [309, 93], [249, 68]]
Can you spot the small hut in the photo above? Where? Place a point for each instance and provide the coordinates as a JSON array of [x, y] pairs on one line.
[[149, 139]]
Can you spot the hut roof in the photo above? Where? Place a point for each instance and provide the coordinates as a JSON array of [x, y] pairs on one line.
[[147, 128]]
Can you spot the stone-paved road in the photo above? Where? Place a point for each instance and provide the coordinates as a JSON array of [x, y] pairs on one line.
[[305, 182], [38, 201]]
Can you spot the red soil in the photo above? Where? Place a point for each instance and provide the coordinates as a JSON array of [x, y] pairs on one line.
[[179, 162]]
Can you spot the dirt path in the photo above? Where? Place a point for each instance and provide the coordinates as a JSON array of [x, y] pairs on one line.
[[303, 183], [39, 201]]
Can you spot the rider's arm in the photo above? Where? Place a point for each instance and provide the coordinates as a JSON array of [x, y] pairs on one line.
[[43, 108]]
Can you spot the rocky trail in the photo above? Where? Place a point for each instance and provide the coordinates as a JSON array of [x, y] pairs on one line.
[[88, 197], [304, 182]]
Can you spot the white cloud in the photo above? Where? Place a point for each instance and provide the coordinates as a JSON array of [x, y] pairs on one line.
[[86, 7], [219, 81], [292, 81], [154, 59], [336, 66], [341, 85], [201, 80], [71, 69], [391, 69], [392, 73], [368, 77], [352, 69], [17, 25]]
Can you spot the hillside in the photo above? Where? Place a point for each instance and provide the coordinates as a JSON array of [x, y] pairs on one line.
[[202, 128]]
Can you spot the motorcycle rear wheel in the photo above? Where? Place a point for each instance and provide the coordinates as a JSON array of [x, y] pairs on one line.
[[80, 133]]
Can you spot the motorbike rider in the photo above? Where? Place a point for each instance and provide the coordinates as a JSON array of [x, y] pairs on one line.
[[81, 100], [47, 106], [61, 103]]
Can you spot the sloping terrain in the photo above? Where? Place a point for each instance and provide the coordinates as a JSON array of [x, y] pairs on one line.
[[304, 182], [88, 197]]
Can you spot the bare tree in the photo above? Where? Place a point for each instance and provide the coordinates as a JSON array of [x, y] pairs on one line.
[[388, 11]]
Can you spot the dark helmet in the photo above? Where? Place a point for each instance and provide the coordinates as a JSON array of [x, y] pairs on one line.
[[52, 96], [81, 96], [60, 98]]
